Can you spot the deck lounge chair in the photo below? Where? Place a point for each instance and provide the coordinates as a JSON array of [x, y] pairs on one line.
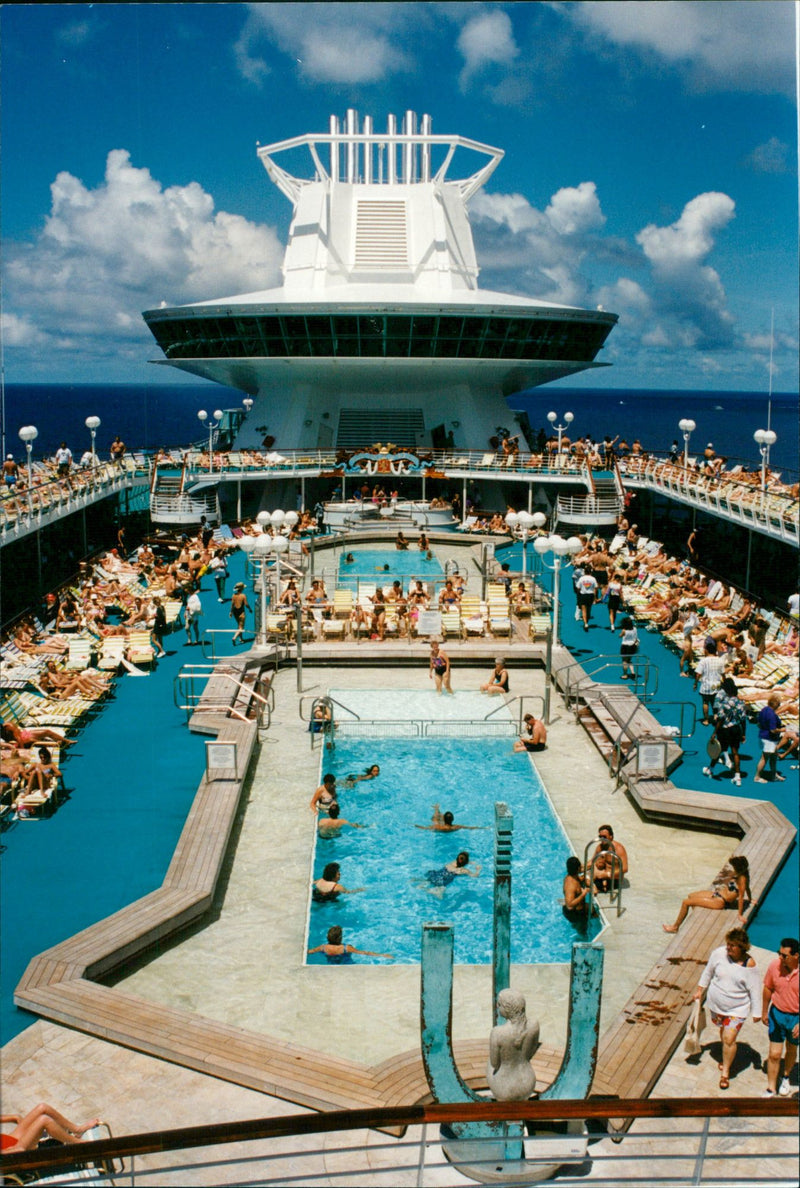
[[79, 655], [140, 648], [112, 653]]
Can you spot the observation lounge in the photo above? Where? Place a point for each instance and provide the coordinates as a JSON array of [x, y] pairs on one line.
[[379, 316]]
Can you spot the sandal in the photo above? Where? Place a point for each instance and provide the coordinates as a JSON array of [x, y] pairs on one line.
[[724, 1083]]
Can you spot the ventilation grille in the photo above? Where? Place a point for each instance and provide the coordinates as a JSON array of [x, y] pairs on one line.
[[381, 235], [360, 428]]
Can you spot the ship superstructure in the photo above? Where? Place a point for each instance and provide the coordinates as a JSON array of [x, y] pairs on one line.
[[379, 330]]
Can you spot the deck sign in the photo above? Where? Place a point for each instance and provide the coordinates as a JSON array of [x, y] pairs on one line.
[[429, 623], [221, 761], [651, 760]]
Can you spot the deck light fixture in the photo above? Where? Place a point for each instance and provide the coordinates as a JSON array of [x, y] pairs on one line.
[[202, 416], [765, 439], [687, 428], [568, 419], [93, 424], [28, 434]]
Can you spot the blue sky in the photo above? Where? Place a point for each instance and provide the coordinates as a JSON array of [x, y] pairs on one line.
[[650, 166]]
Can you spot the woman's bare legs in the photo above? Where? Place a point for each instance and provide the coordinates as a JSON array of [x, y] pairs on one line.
[[704, 899], [43, 1118], [729, 1036]]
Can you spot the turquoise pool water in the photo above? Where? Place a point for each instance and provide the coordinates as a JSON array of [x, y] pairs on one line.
[[370, 565], [777, 913], [390, 857]]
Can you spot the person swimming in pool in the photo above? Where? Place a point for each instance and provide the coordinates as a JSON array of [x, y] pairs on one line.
[[325, 795], [338, 953], [327, 889], [370, 773], [330, 826], [349, 559], [442, 876], [444, 823]]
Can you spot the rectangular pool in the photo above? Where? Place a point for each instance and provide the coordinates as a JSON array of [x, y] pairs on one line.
[[383, 566], [390, 857]]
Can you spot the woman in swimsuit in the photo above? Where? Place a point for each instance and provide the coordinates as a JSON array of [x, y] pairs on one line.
[[337, 953], [370, 773], [498, 681], [443, 876], [440, 668], [239, 605], [328, 888], [325, 795], [732, 886], [42, 1118]]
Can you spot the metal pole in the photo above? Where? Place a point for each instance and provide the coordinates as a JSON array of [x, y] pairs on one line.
[[263, 633], [548, 675], [530, 498], [556, 585], [524, 552], [299, 630], [210, 450], [463, 502], [239, 501]]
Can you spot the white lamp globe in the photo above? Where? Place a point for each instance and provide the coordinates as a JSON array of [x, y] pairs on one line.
[[262, 519], [512, 519], [552, 418], [263, 545], [217, 414], [542, 545], [290, 519], [202, 415], [525, 520], [770, 437], [569, 417], [247, 544], [28, 433], [277, 517], [279, 544], [539, 519], [92, 423], [559, 546], [574, 545]]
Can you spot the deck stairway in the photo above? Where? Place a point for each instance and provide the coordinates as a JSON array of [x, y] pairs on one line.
[[602, 506], [614, 719], [171, 504]]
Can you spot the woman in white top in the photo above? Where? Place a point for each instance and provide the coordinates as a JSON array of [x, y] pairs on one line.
[[733, 985], [628, 647]]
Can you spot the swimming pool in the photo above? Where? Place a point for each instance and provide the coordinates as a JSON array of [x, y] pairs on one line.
[[384, 565], [390, 857]]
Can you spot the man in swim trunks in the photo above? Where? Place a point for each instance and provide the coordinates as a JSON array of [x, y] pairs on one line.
[[781, 1014], [536, 737]]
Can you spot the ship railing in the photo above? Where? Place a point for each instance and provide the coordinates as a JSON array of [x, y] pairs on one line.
[[190, 698], [32, 508], [577, 677], [672, 1140]]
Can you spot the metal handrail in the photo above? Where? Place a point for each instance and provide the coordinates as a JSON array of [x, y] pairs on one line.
[[419, 1152], [616, 861], [229, 709], [610, 662], [682, 706]]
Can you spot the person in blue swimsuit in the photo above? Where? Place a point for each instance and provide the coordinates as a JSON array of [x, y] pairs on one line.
[[327, 889], [337, 953], [443, 876]]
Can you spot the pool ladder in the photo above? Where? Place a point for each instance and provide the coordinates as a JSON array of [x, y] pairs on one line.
[[616, 881]]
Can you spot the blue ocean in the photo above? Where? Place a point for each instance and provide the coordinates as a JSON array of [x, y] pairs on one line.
[[147, 416]]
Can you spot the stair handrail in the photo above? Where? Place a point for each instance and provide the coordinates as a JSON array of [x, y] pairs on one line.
[[616, 861], [620, 485], [230, 710], [588, 477]]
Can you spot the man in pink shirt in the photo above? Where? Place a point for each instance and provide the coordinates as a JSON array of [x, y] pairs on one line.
[[780, 1009]]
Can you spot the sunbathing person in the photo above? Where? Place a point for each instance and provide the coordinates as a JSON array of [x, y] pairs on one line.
[[26, 736], [731, 886], [44, 772], [41, 1120]]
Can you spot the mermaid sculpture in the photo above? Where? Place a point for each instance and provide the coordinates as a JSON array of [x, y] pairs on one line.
[[511, 1046]]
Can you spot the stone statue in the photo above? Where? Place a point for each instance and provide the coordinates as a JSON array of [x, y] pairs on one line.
[[511, 1046]]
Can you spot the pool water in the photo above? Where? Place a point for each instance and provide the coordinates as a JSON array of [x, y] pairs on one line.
[[777, 913], [390, 857], [370, 565]]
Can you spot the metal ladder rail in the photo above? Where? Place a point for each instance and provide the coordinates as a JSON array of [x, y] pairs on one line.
[[624, 731], [522, 699], [616, 861], [572, 687], [266, 705]]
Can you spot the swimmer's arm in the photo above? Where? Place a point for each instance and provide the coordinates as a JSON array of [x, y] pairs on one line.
[[316, 949], [349, 890], [367, 952]]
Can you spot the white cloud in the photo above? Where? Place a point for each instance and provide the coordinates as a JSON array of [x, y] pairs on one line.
[[744, 45], [575, 208], [333, 43], [105, 254], [487, 40], [770, 157]]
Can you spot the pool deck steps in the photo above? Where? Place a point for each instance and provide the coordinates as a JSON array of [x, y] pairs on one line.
[[58, 983]]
